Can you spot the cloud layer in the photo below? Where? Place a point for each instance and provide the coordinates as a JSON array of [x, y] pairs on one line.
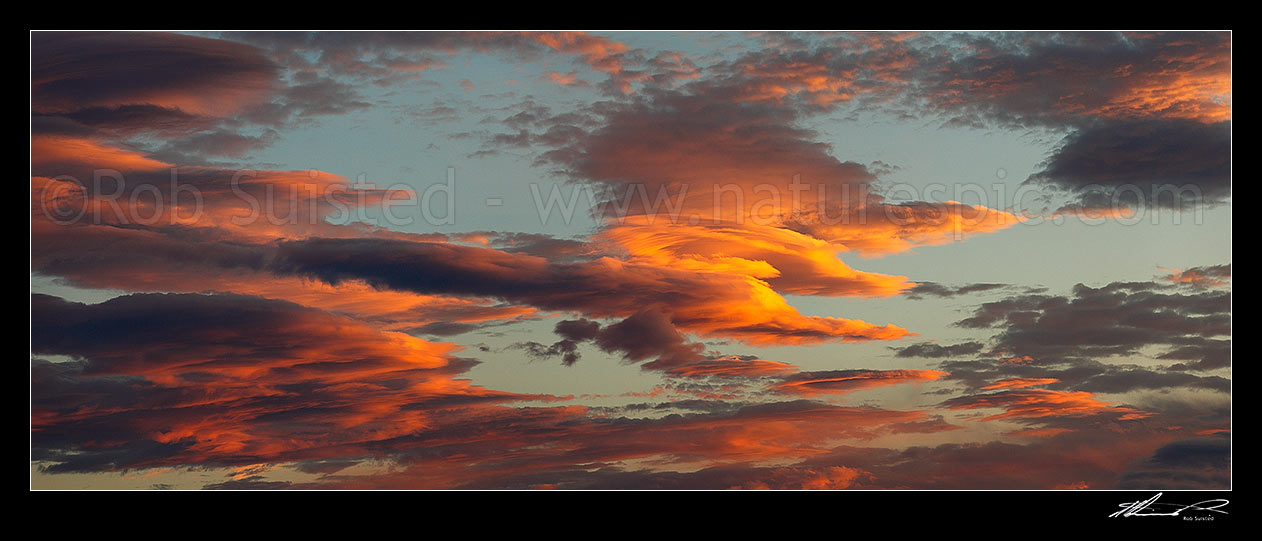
[[255, 323]]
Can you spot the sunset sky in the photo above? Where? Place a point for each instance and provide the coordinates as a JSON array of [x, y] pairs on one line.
[[630, 260]]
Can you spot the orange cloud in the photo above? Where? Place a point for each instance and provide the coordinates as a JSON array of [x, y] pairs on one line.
[[708, 304], [1031, 404], [1039, 432], [751, 435], [732, 367], [1019, 383], [826, 478], [848, 381], [877, 229], [787, 260], [229, 377], [851, 66], [563, 79], [53, 151], [1200, 276], [601, 54], [81, 182]]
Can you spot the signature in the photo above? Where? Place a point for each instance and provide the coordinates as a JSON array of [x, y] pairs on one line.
[[1149, 508]]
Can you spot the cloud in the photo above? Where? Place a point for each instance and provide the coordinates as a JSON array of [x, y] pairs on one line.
[[1142, 110], [1172, 163], [536, 244], [563, 79], [776, 431], [710, 304], [74, 71], [1070, 77], [1118, 319], [305, 98], [389, 58], [846, 381], [178, 379], [304, 351], [1110, 340], [934, 351], [731, 367], [1035, 404], [788, 261], [1019, 383], [832, 69], [1193, 464], [1082, 374], [1201, 277], [938, 290], [573, 332], [175, 95]]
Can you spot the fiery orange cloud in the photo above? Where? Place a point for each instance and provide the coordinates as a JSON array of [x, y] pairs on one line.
[[1019, 383], [848, 381], [708, 304], [883, 228], [732, 367], [1032, 404], [789, 261], [763, 318]]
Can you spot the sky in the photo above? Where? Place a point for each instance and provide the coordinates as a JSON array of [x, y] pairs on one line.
[[630, 260]]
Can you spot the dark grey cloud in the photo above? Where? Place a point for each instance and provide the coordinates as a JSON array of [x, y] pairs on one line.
[[1121, 318], [123, 121], [939, 290], [648, 334], [1201, 463], [536, 244], [304, 100], [327, 466], [1059, 78], [79, 71], [1081, 375], [1200, 453], [1169, 163], [935, 351], [253, 482], [1070, 344], [578, 329], [443, 328]]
